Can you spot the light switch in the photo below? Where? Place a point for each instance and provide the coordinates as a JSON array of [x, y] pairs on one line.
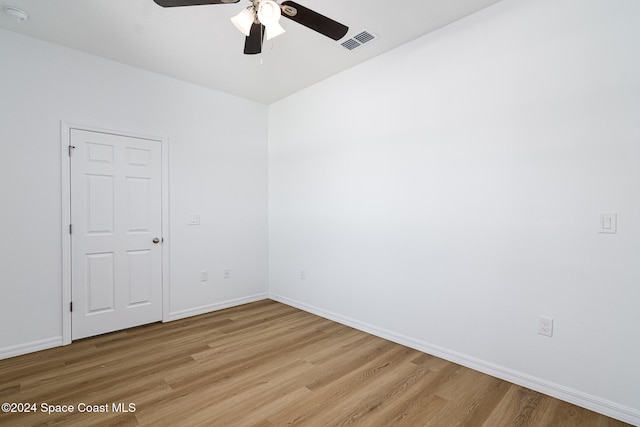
[[194, 219], [608, 223]]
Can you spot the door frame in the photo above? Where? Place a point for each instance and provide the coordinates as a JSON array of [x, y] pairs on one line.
[[65, 142]]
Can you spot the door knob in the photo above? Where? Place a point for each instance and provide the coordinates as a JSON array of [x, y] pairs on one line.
[[156, 240]]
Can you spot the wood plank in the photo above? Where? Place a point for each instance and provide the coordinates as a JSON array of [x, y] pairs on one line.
[[267, 364]]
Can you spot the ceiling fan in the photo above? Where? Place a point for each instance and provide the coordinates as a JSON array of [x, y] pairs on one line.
[[261, 18]]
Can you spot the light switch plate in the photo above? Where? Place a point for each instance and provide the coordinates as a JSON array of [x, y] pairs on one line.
[[608, 223], [194, 219]]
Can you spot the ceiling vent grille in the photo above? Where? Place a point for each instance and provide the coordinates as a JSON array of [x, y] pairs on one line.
[[358, 40]]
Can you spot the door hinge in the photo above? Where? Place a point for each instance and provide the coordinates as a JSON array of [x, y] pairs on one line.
[[71, 306], [71, 147], [70, 228]]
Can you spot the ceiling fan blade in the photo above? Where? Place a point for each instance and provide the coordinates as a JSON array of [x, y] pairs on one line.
[[253, 43], [174, 3], [314, 20]]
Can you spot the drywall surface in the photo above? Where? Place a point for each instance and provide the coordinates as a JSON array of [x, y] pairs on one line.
[[217, 169], [450, 191]]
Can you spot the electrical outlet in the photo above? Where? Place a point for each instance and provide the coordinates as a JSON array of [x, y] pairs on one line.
[[227, 273], [302, 274], [545, 325], [204, 275]]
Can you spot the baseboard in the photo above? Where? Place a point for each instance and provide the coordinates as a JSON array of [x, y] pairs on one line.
[[203, 309], [30, 347], [576, 397]]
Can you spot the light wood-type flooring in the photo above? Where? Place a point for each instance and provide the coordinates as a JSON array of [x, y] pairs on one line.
[[265, 364]]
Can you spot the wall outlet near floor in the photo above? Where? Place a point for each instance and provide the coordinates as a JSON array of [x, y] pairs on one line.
[[302, 274], [204, 275], [226, 273], [545, 325]]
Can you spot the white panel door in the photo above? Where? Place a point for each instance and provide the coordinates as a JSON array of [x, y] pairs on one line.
[[116, 243]]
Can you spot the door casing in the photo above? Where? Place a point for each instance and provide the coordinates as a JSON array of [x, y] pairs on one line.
[[65, 142]]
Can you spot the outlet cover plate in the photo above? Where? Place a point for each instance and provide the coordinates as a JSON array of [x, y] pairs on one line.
[[545, 325]]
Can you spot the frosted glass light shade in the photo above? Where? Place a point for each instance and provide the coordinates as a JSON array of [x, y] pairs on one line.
[[243, 21], [268, 12], [269, 15], [273, 30]]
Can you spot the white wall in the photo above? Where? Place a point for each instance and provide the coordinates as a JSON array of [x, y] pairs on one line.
[[217, 168], [448, 192]]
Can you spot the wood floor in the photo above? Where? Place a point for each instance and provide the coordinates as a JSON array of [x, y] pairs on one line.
[[264, 364]]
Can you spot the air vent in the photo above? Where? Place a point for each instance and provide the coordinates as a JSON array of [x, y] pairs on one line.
[[350, 44], [358, 40], [364, 37]]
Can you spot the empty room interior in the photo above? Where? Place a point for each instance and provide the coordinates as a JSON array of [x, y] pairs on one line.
[[406, 213]]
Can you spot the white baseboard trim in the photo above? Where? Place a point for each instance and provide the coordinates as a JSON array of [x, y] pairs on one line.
[[576, 397], [181, 314], [30, 347]]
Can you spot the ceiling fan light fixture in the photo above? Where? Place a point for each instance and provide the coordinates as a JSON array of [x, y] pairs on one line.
[[269, 14], [244, 20]]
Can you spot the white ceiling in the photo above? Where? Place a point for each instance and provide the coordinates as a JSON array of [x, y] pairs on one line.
[[199, 44]]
